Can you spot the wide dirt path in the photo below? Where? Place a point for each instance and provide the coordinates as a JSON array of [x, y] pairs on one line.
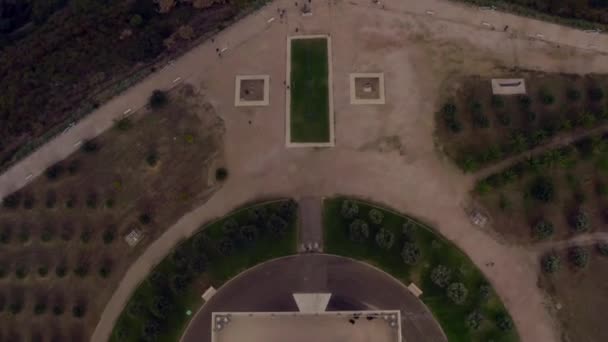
[[383, 153], [353, 285]]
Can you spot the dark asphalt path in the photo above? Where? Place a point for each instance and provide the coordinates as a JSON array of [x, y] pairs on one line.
[[354, 285]]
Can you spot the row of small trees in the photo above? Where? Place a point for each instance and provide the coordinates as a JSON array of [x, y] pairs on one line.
[[28, 201], [577, 256], [14, 303], [66, 233], [81, 269]]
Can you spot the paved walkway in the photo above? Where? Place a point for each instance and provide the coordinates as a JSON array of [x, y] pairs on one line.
[[403, 39], [589, 239], [353, 285], [311, 225], [187, 67]]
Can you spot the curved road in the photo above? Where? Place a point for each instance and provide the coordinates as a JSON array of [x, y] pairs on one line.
[[354, 286]]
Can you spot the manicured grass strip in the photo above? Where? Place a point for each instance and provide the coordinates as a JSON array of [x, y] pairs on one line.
[[434, 251], [221, 250], [309, 111]]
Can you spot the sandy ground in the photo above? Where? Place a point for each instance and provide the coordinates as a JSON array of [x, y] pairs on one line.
[[384, 153]]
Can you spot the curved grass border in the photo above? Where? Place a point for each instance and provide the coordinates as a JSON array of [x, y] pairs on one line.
[[181, 303], [435, 250]]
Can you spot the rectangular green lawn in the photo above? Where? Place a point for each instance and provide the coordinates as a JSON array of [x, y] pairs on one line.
[[309, 107]]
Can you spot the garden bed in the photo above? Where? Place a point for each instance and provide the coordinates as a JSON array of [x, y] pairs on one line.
[[477, 129], [412, 252], [221, 250]]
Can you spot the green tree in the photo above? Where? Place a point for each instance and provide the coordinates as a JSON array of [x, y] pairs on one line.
[[376, 216], [358, 230], [385, 238], [457, 292], [158, 99], [441, 275], [578, 256], [550, 263], [504, 322], [410, 253], [542, 189], [473, 320], [579, 221], [543, 229], [602, 248], [349, 209]]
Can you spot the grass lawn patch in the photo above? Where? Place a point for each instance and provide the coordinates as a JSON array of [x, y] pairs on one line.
[[412, 252], [221, 250], [309, 97]]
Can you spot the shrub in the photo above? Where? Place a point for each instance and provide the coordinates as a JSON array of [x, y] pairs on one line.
[[485, 291], [54, 172], [158, 99], [24, 234], [277, 226], [90, 146], [504, 119], [550, 263], [110, 203], [595, 94], [12, 201], [28, 202], [108, 236], [46, 235], [51, 199], [546, 97], [58, 309], [409, 230], [525, 101], [61, 270], [74, 167], [6, 235], [457, 292], [40, 308], [145, 218], [602, 248], [358, 230], [82, 269], [579, 221], [349, 209], [221, 174], [71, 201], [198, 264], [450, 118], [573, 94], [504, 203], [152, 158], [473, 320], [225, 246], [2, 271], [92, 200], [530, 116], [15, 306], [578, 256], [79, 310], [504, 322], [542, 189], [160, 306], [543, 229], [441, 275], [385, 238], [43, 271], [179, 283], [85, 235], [410, 253], [497, 102], [105, 269], [66, 233], [376, 216], [21, 271], [480, 120], [248, 234], [136, 20]]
